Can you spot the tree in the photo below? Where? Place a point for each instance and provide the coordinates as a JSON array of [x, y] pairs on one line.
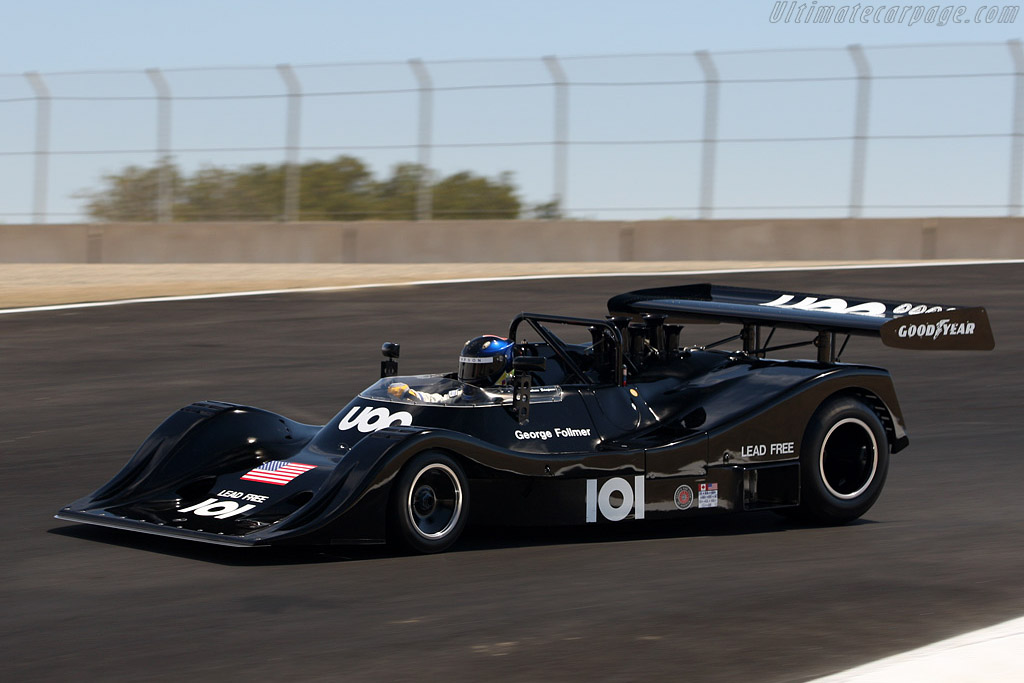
[[339, 190], [342, 189], [216, 194], [396, 196], [547, 211], [130, 195], [464, 195]]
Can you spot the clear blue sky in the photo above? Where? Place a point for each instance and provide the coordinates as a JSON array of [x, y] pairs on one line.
[[51, 37]]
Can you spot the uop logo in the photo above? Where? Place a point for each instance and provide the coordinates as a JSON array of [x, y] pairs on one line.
[[812, 303], [872, 308], [367, 419]]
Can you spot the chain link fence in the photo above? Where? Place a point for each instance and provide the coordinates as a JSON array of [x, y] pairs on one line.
[[897, 130]]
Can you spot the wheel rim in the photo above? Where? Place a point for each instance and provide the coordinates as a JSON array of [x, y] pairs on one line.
[[848, 459], [434, 504]]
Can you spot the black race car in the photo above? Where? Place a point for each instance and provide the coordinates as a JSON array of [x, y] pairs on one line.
[[625, 423]]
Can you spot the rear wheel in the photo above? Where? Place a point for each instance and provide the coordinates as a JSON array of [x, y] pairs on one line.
[[429, 503], [843, 463]]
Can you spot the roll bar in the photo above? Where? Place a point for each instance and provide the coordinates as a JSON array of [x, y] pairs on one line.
[[600, 330]]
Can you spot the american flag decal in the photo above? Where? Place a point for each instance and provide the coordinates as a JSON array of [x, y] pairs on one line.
[[278, 472]]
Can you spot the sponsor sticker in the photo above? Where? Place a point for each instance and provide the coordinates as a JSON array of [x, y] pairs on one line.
[[964, 329], [935, 330], [278, 472], [683, 497], [755, 450], [911, 309], [707, 496], [247, 497]]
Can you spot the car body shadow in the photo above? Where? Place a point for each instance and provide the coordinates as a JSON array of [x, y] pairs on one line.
[[475, 539]]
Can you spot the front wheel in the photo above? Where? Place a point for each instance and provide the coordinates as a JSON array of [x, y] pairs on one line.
[[429, 503], [843, 462]]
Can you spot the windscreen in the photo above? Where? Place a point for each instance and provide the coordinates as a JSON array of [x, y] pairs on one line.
[[441, 389]]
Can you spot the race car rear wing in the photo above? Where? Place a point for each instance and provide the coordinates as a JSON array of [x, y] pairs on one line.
[[900, 324]]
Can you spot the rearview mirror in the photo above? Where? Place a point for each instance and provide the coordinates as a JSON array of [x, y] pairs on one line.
[[521, 382], [389, 366]]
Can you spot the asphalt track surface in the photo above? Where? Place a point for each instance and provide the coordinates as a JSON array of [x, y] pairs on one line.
[[735, 598]]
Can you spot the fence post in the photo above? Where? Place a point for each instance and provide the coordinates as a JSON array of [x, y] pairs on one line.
[[862, 106], [291, 142], [424, 193], [707, 162], [42, 153], [561, 142], [1017, 139], [164, 198]]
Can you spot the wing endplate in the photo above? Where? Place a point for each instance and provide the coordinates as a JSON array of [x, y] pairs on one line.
[[962, 329]]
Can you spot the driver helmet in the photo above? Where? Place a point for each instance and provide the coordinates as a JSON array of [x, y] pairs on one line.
[[485, 359]]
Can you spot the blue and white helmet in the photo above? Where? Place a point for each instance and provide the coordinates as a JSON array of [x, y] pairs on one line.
[[485, 359]]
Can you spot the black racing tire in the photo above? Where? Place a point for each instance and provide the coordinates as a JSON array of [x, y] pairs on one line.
[[843, 462], [429, 503]]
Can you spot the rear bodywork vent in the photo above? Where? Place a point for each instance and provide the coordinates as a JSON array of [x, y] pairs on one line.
[[771, 486]]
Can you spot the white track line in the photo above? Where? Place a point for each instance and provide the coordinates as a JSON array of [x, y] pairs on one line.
[[508, 278], [991, 654]]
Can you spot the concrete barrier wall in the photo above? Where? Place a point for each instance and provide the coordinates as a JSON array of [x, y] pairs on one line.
[[515, 241]]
